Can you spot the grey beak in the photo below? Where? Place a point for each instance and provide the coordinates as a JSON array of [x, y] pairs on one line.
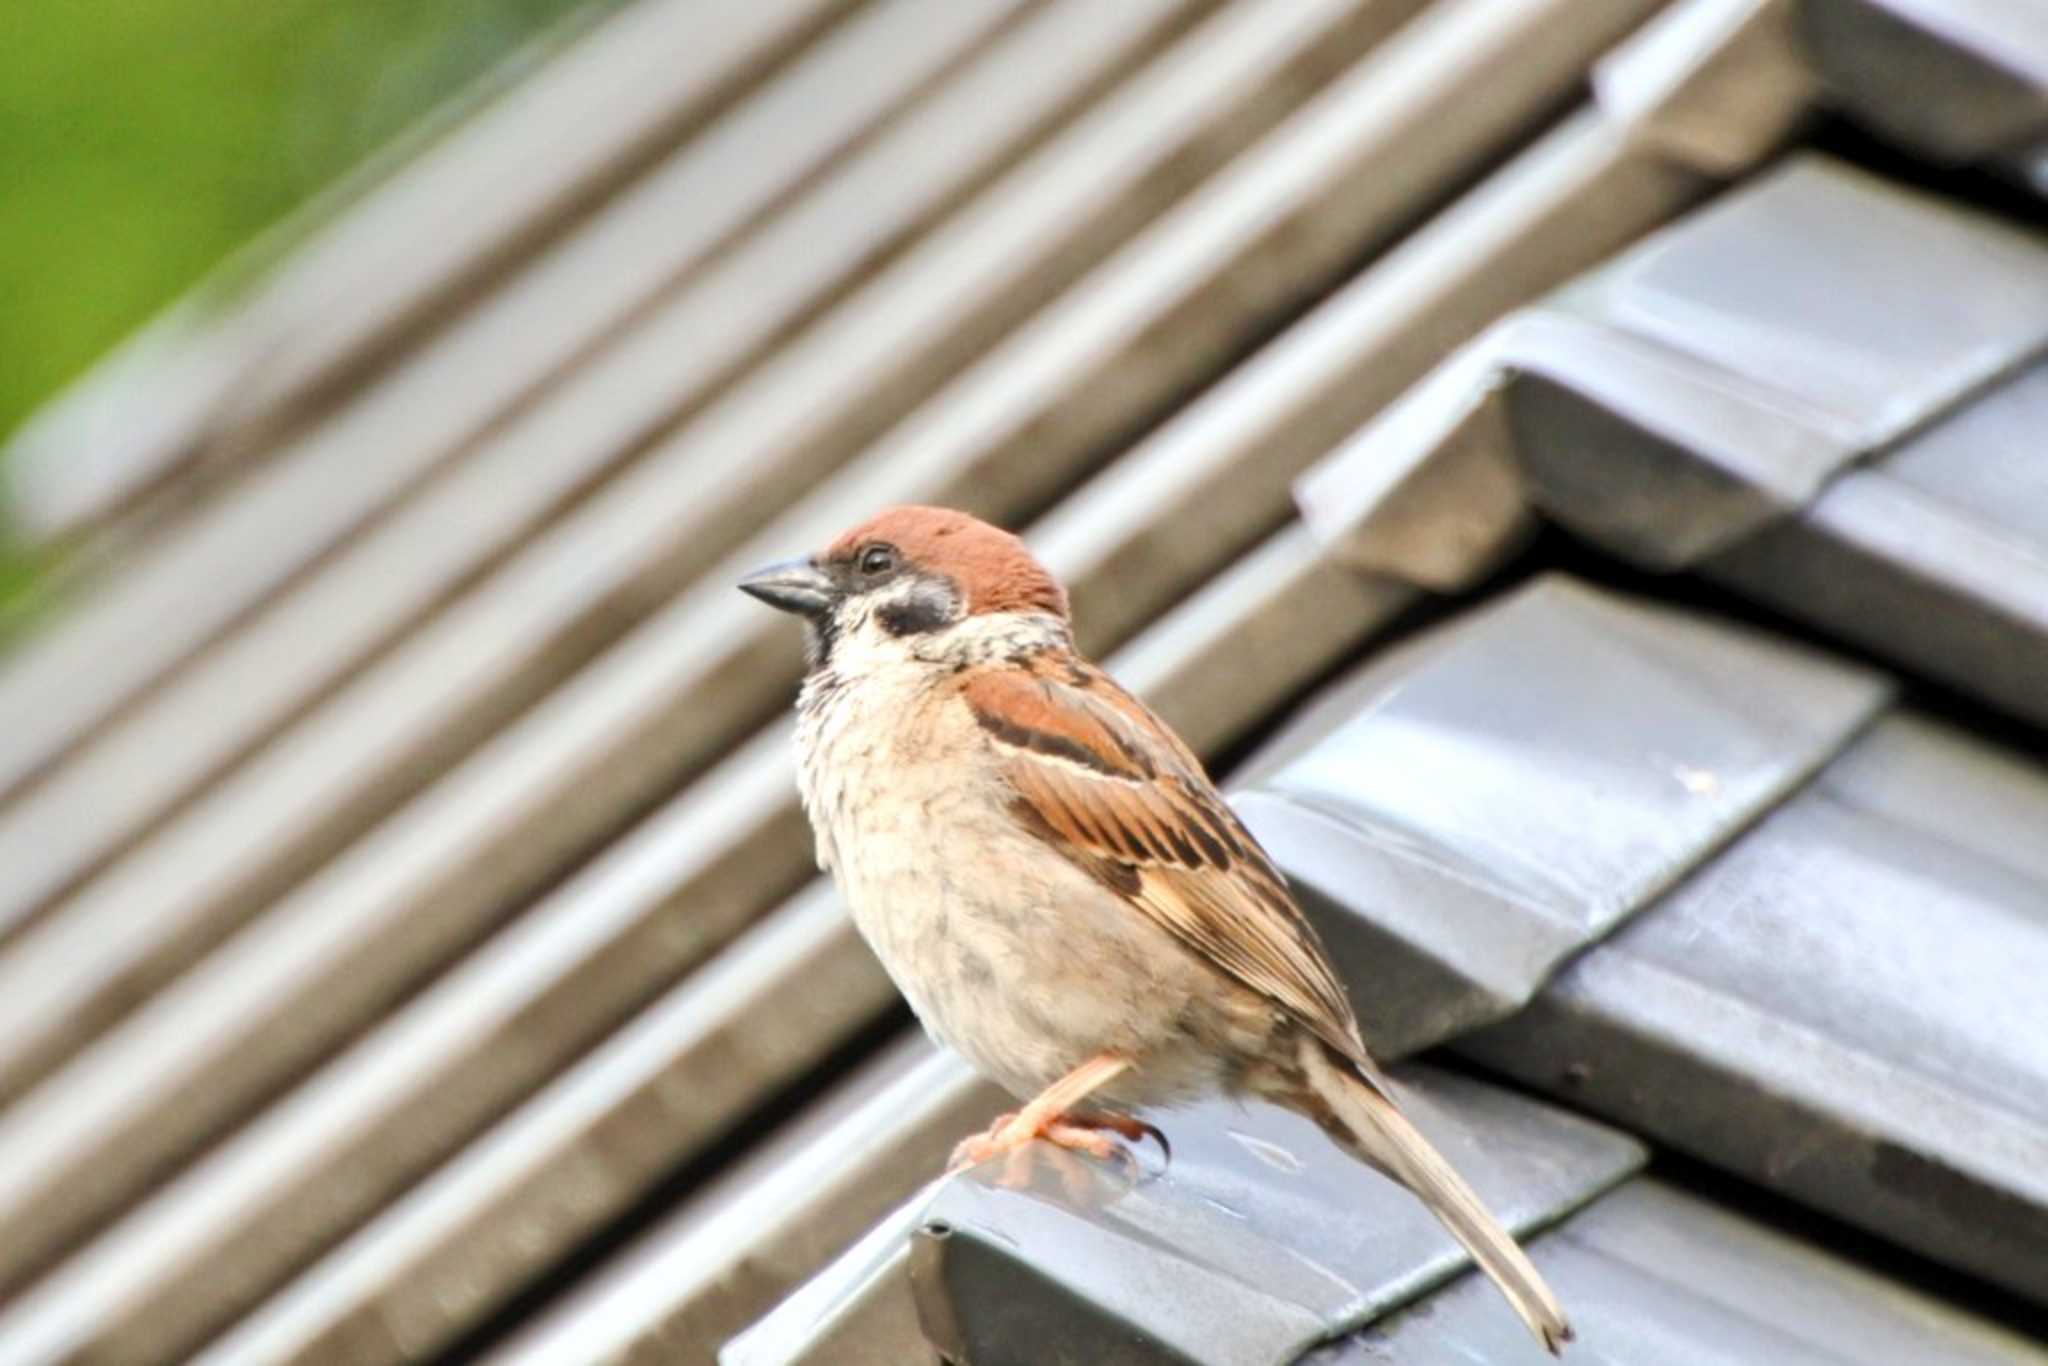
[[792, 586]]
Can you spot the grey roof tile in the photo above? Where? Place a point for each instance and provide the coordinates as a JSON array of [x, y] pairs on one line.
[[1257, 1241], [1158, 1273], [859, 1311], [1654, 1275], [1955, 80], [1845, 1005], [1836, 1000], [780, 1215], [1935, 553], [1761, 394], [1792, 282], [1713, 84], [656, 1093], [1592, 184], [1757, 347], [1464, 815]]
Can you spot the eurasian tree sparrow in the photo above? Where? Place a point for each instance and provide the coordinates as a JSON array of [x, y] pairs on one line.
[[1051, 880]]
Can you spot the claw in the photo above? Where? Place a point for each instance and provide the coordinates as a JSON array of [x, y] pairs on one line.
[[1133, 1129], [1012, 1137], [1046, 1117]]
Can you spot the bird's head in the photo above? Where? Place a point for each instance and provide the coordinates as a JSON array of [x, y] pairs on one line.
[[916, 583]]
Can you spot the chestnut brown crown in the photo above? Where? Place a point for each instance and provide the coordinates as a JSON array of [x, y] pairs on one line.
[[994, 571]]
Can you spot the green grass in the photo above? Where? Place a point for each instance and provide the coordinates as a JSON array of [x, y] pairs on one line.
[[21, 578], [142, 141]]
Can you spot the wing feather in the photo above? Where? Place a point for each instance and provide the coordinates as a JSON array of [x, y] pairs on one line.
[[1104, 781]]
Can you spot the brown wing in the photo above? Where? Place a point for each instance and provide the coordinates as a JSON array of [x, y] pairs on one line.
[[1108, 784]]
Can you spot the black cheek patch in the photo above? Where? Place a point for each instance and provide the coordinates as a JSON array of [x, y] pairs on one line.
[[916, 614]]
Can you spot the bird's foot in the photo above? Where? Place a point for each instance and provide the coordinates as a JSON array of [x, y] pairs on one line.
[[1011, 1132], [1051, 1116], [1013, 1137]]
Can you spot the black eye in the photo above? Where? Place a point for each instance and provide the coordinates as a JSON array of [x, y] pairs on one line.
[[877, 560]]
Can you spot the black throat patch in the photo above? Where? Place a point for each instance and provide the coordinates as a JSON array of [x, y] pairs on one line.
[[820, 634]]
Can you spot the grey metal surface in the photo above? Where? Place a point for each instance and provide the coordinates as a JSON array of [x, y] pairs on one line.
[[1468, 812], [1846, 1005], [1657, 1277], [1712, 84], [1652, 1275], [860, 1311], [1661, 130], [656, 1093], [1955, 80], [1427, 489], [660, 1090], [1760, 394], [1935, 553], [1783, 299], [1258, 1240], [793, 1205]]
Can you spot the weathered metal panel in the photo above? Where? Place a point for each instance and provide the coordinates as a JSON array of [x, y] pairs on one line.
[[1845, 1006], [1467, 813]]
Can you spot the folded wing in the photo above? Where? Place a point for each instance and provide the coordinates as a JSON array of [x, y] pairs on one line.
[[1109, 785]]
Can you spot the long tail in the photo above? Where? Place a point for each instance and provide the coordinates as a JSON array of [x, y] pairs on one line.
[[1365, 1120]]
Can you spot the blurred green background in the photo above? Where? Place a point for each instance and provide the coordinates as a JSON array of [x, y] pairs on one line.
[[142, 141]]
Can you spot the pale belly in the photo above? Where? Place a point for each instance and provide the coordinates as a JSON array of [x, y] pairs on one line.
[[1008, 953], [1028, 967]]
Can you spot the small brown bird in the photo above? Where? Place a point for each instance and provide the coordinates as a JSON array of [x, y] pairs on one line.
[[1052, 881]]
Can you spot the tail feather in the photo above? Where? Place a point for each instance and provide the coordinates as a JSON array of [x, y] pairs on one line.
[[1366, 1120]]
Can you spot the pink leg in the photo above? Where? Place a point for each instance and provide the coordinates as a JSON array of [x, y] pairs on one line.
[[1049, 1116]]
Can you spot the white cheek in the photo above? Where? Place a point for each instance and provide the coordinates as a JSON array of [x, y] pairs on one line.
[[864, 649]]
